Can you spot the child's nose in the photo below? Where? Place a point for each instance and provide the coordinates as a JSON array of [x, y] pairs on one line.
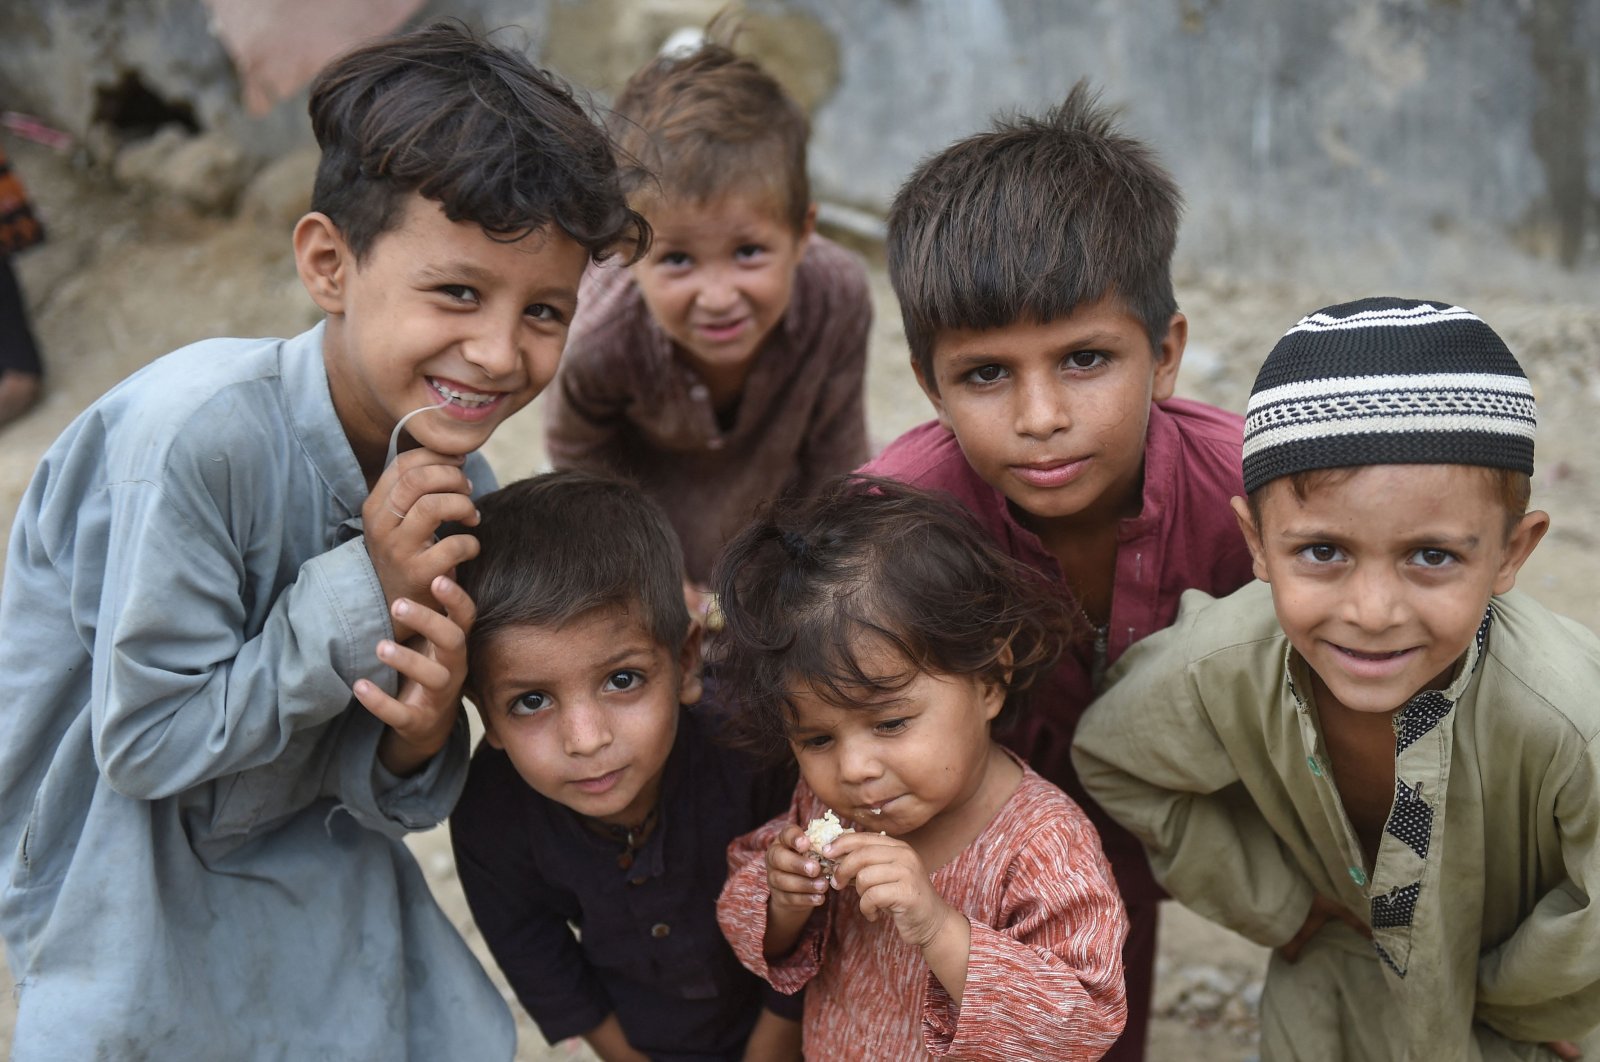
[[584, 729], [1376, 602], [1041, 409], [858, 763], [718, 294], [495, 350]]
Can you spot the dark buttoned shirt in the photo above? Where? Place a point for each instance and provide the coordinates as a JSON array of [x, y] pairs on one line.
[[647, 946]]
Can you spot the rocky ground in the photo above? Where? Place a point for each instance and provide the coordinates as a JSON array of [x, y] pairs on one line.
[[131, 273]]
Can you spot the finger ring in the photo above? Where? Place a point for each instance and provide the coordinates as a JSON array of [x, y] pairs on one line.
[[397, 515]]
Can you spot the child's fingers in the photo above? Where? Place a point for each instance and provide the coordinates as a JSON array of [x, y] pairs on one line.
[[794, 838], [446, 632], [420, 668], [1565, 1050], [443, 556], [388, 710], [461, 609], [787, 860], [797, 887]]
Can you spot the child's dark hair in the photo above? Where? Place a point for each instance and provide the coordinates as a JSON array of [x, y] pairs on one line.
[[1029, 221], [874, 560], [711, 122], [556, 546], [473, 126]]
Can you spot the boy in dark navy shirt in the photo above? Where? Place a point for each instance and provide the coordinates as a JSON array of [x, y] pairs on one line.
[[596, 801]]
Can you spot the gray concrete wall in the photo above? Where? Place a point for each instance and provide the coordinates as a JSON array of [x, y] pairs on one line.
[[1424, 145]]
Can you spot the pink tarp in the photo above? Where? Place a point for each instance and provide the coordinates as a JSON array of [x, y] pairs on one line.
[[279, 46]]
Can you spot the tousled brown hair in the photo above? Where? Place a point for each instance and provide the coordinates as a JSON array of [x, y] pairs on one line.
[[712, 123], [1029, 221], [476, 127], [556, 546], [868, 563]]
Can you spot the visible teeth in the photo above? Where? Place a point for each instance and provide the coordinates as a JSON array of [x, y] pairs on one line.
[[464, 398]]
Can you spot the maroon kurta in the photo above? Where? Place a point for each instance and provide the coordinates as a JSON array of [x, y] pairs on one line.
[[625, 403]]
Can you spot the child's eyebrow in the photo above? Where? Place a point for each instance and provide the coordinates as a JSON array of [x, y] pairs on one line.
[[972, 359]]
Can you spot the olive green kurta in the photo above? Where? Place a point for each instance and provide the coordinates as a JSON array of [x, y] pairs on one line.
[[1207, 747]]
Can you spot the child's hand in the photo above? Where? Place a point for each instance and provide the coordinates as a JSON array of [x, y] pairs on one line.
[[890, 878], [420, 491], [1322, 911], [421, 718], [1565, 1050], [794, 874]]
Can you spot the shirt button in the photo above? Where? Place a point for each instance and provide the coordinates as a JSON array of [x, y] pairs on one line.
[[660, 930], [714, 444], [699, 392], [1358, 875]]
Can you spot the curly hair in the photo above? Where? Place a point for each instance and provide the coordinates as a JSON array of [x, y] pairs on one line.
[[809, 590]]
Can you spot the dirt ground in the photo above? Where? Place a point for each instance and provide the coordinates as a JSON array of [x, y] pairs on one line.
[[127, 277]]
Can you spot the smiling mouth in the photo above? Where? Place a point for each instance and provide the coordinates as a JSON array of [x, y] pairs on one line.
[[722, 330], [466, 399]]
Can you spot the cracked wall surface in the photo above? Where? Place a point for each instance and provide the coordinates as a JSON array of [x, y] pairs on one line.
[[1361, 143]]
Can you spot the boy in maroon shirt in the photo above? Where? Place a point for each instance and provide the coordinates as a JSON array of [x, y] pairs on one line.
[[1033, 268]]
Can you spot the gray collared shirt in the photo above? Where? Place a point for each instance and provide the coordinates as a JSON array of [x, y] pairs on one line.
[[203, 854]]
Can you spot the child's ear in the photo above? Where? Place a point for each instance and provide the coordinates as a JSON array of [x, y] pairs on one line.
[[690, 685], [1169, 355], [932, 392], [1252, 537], [489, 736], [1519, 546], [323, 260], [808, 227], [994, 693]]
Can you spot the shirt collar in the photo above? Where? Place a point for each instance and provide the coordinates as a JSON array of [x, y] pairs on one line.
[[314, 421]]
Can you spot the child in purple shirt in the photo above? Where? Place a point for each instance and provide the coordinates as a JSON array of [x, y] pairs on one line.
[[1033, 268]]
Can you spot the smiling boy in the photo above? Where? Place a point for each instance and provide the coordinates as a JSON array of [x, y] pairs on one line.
[[1383, 760], [202, 828], [596, 799], [728, 366], [1033, 268]]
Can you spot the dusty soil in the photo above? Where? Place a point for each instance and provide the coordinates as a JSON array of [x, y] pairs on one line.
[[128, 277]]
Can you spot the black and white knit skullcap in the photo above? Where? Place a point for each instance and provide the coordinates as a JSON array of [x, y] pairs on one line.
[[1388, 382]]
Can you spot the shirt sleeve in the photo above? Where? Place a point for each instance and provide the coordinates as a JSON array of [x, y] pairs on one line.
[[1148, 752], [1543, 983], [836, 441], [1047, 981], [742, 908], [180, 695], [521, 914]]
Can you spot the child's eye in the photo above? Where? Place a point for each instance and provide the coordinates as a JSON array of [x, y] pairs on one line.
[[543, 311], [986, 374], [814, 742], [1321, 553], [674, 259], [748, 250], [622, 681], [529, 703], [1433, 558], [890, 726], [1085, 359], [459, 292]]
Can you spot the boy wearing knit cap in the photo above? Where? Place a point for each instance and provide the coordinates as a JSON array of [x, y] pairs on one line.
[[1381, 761]]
